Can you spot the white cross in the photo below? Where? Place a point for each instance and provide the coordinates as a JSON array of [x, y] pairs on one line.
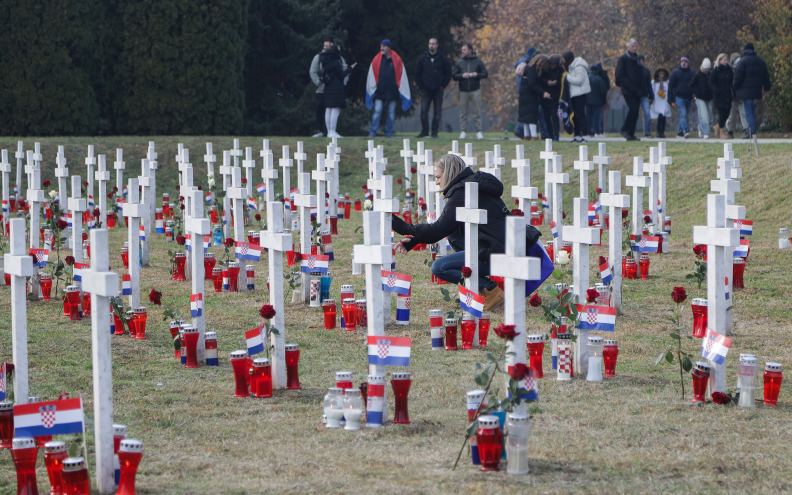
[[616, 202], [304, 200], [555, 178], [584, 165], [385, 205], [198, 226], [581, 238], [426, 175], [236, 152], [210, 158], [249, 164], [5, 170], [370, 152], [269, 175], [19, 265], [523, 192], [638, 181], [378, 165], [102, 284], [489, 165], [332, 163], [656, 168], [515, 267], [455, 148], [728, 166], [470, 160], [62, 173], [134, 210], [286, 164], [20, 157], [300, 156], [602, 160], [102, 176], [323, 178], [419, 158], [472, 216], [720, 241], [238, 195], [407, 154], [90, 162], [548, 156], [146, 181], [119, 165], [77, 206], [36, 198]]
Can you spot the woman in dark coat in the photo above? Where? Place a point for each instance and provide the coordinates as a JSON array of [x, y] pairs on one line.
[[333, 73], [551, 80], [530, 90], [720, 81]]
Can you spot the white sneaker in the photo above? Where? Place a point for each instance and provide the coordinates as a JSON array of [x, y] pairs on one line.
[[333, 134], [584, 139], [479, 135], [705, 136], [462, 135], [318, 134]]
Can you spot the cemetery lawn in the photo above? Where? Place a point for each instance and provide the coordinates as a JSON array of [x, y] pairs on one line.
[[632, 433]]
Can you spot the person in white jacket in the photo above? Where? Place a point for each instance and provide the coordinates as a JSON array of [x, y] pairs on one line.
[[579, 87], [660, 109]]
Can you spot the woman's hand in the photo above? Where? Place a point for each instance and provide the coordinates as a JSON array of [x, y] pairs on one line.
[[546, 95], [400, 246]]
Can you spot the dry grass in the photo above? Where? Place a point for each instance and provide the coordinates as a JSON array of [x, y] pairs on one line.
[[627, 434]]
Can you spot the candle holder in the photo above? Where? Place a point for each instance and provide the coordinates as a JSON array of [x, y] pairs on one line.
[[629, 268], [334, 225], [329, 310], [344, 380], [700, 374], [643, 263], [519, 428], [536, 345], [436, 336], [610, 353], [46, 286], [347, 292], [783, 238], [772, 383], [489, 438], [119, 433], [292, 370], [254, 237], [741, 359], [180, 259], [451, 334], [747, 378], [333, 407], [86, 303], [261, 386], [435, 318], [315, 288], [699, 309], [361, 312], [474, 399], [737, 273], [139, 317], [54, 455], [86, 249], [567, 246], [239, 363], [24, 453], [75, 477], [226, 285], [210, 339], [217, 231], [353, 408], [358, 205], [209, 263], [73, 298], [604, 294], [401, 388], [550, 250], [251, 277], [6, 424], [190, 334], [565, 369], [233, 276], [129, 455], [484, 328], [468, 330], [349, 314], [376, 408], [217, 279], [125, 257], [168, 234], [595, 347]]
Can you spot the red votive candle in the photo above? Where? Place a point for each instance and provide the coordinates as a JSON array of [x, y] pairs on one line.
[[292, 371], [24, 453], [535, 350], [129, 454], [239, 363], [484, 328], [772, 383], [329, 309], [609, 355], [700, 373], [54, 455], [6, 424], [489, 439], [190, 334], [400, 382], [468, 331], [349, 312], [450, 334]]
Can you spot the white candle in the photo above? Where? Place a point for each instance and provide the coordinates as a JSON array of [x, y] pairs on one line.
[[594, 368], [352, 417]]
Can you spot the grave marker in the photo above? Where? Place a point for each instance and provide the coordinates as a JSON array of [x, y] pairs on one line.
[[455, 148], [323, 178], [36, 198], [19, 265], [638, 181], [603, 161], [119, 165], [5, 170], [657, 178], [473, 216], [238, 195], [198, 226], [470, 160], [426, 175], [385, 205], [489, 165], [146, 181], [151, 155], [407, 154], [332, 163], [300, 157], [210, 158], [286, 164], [548, 156], [76, 206], [419, 158], [584, 165], [20, 157], [304, 201], [615, 202], [226, 170], [102, 177], [555, 178], [249, 164], [134, 210], [90, 163], [62, 174]]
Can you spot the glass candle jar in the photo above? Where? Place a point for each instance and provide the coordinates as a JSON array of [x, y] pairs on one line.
[[344, 380], [334, 225], [349, 313], [468, 330], [353, 408], [489, 438], [24, 452], [699, 309], [536, 345], [75, 477], [333, 407], [226, 285], [519, 428], [375, 401], [54, 455], [347, 292], [450, 334], [6, 424], [46, 286], [209, 263], [701, 374], [610, 352], [315, 288], [435, 318], [190, 334], [401, 388], [233, 276], [361, 312], [217, 279], [253, 237], [643, 263], [772, 383], [324, 286], [119, 324], [86, 304], [604, 294], [73, 302], [474, 400], [263, 383], [292, 367], [125, 257], [129, 455], [484, 328], [629, 268], [595, 346], [402, 310], [210, 339], [119, 433], [783, 238], [747, 375], [565, 369], [329, 310], [179, 260], [140, 315], [567, 246], [550, 250], [738, 270], [239, 363]]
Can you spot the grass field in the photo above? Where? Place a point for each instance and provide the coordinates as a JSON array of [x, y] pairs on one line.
[[631, 433]]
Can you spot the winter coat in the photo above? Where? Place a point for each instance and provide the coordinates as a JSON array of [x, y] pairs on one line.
[[751, 77], [333, 74], [720, 82], [432, 71], [599, 88], [555, 90], [646, 79], [629, 74], [492, 235], [660, 104], [679, 84], [471, 63], [530, 92], [577, 78], [700, 86]]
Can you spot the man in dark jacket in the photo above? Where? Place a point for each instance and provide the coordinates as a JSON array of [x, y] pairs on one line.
[[469, 71], [432, 73], [647, 97], [751, 81], [596, 99], [629, 77], [680, 94]]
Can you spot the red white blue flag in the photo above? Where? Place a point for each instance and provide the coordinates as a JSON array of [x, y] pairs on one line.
[[593, 208], [248, 251], [600, 318], [261, 188], [3, 381], [77, 270], [5, 206], [745, 226], [742, 249], [142, 232], [553, 229], [255, 342], [647, 244], [314, 263], [126, 284], [398, 283], [210, 196], [196, 305], [471, 302], [252, 203], [41, 256], [57, 417], [389, 351], [605, 273], [715, 346]]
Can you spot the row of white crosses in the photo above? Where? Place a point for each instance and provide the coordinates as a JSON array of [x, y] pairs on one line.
[[384, 204], [523, 192], [472, 216], [615, 201], [36, 198], [5, 171], [638, 181], [198, 226], [656, 168]]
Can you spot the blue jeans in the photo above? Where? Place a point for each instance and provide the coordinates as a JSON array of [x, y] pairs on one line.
[[389, 119], [647, 127], [449, 268], [750, 106], [594, 119], [683, 106]]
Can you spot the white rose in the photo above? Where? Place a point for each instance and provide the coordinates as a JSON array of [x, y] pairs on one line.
[[367, 205], [211, 181], [562, 258], [210, 175], [53, 193]]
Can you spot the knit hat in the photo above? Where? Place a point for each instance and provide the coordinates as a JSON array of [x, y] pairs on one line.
[[748, 46], [684, 59], [706, 64], [386, 42]]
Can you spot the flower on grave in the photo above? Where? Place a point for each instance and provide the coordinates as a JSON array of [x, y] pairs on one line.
[[85, 183], [155, 297], [109, 195], [720, 398], [21, 203], [506, 331], [200, 187], [177, 187], [700, 250], [210, 175], [181, 206], [69, 260], [599, 190], [96, 212], [267, 312], [297, 256], [364, 187], [535, 301], [229, 242], [367, 205], [466, 271], [62, 224], [45, 183], [519, 371], [244, 180], [399, 181], [211, 182], [413, 170], [679, 295], [115, 189], [516, 201], [9, 369], [516, 212], [181, 198], [423, 206], [327, 195], [602, 260], [563, 215], [674, 349], [181, 240], [258, 217], [647, 219], [53, 193], [562, 258], [625, 212], [591, 295]]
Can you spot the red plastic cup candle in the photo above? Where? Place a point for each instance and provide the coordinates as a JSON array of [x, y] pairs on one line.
[[565, 367], [125, 257], [344, 379], [699, 309], [400, 382], [139, 316], [262, 386], [217, 279], [209, 263], [550, 250], [484, 328], [329, 310], [737, 273], [468, 330], [489, 438], [119, 433], [535, 350], [567, 246], [54, 455], [450, 334], [362, 318], [358, 205], [701, 374], [347, 292], [772, 383], [119, 324], [180, 260], [629, 268], [24, 452], [73, 298], [168, 234], [292, 371], [6, 424], [233, 276], [75, 477], [46, 286], [129, 455], [349, 313], [609, 355], [333, 225], [435, 318], [253, 237], [644, 265], [239, 363], [190, 334], [86, 303]]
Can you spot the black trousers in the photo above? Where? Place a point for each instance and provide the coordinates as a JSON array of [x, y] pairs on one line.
[[661, 122], [579, 118], [723, 115], [320, 113], [633, 104], [431, 97]]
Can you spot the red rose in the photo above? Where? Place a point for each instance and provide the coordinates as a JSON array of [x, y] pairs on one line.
[[399, 181], [297, 257], [535, 301], [9, 369], [62, 224], [229, 242], [267, 312], [244, 180], [327, 195], [540, 196], [519, 371], [45, 183], [466, 271], [109, 195], [423, 206], [181, 240], [69, 260], [506, 332], [181, 206], [85, 183], [21, 203], [647, 219], [96, 212], [700, 250], [625, 212], [563, 215], [155, 297], [413, 170], [258, 217], [602, 260], [591, 295], [599, 190], [200, 187], [678, 294], [115, 189], [720, 398], [177, 187], [516, 201], [364, 187], [517, 212], [181, 198]]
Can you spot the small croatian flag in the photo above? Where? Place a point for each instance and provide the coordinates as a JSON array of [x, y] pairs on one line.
[[545, 204], [142, 233], [659, 207], [126, 284], [600, 318], [261, 188], [471, 302], [647, 244], [398, 283], [745, 226], [209, 197], [41, 255], [2, 381], [5, 206], [327, 245], [248, 251], [742, 249], [605, 273], [314, 263], [77, 270], [255, 342], [554, 229], [196, 305], [56, 417], [252, 204], [715, 346], [91, 201], [593, 209], [389, 351], [159, 224], [68, 218]]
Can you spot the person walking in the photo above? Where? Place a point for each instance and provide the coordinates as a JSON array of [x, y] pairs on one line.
[[681, 94], [737, 110], [432, 74], [579, 87], [333, 75], [385, 85], [703, 94], [720, 82], [316, 79], [468, 72], [660, 109], [751, 81], [646, 96], [629, 76], [519, 68], [596, 100], [530, 90]]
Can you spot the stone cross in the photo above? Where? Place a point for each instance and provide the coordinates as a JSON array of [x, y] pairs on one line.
[[472, 216], [36, 198], [455, 148], [720, 241], [584, 165], [728, 166], [198, 226], [581, 238], [236, 152], [19, 265], [656, 168], [616, 202], [119, 165], [62, 174], [238, 195], [134, 210], [20, 159], [304, 201], [439, 206], [370, 152], [269, 174], [497, 159], [407, 154], [286, 164], [276, 242], [300, 157], [151, 156], [102, 284], [5, 170], [90, 163], [489, 165], [555, 178], [603, 161], [209, 158], [226, 170], [378, 165], [249, 164], [638, 181], [426, 175], [523, 192], [470, 160], [419, 158], [385, 204], [145, 181], [515, 267], [76, 206], [323, 178], [332, 163], [102, 177], [548, 156]]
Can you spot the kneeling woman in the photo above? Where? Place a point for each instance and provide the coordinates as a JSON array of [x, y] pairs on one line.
[[451, 174]]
